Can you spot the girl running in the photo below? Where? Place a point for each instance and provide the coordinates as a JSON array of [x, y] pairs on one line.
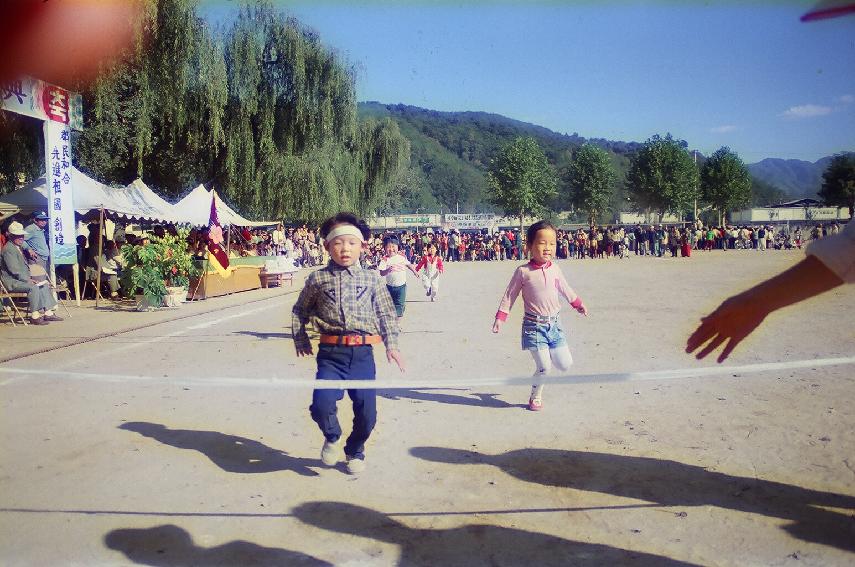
[[542, 285], [432, 264]]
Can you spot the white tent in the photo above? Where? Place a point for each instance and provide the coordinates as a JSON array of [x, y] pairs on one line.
[[136, 201], [195, 209]]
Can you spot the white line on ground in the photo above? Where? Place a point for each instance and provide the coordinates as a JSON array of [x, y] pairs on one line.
[[113, 350], [413, 384]]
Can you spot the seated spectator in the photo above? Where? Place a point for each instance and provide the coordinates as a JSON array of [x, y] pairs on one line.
[[15, 275]]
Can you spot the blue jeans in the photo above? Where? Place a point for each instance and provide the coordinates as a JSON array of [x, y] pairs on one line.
[[345, 363], [399, 297], [545, 332]]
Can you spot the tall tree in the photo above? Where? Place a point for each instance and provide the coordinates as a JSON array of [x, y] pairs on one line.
[[838, 182], [725, 182], [662, 176], [590, 181], [521, 179]]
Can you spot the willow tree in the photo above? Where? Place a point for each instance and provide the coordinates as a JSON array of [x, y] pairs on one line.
[[261, 111], [158, 111]]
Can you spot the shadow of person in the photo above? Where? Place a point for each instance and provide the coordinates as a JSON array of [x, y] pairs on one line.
[[229, 452], [469, 545], [671, 483], [264, 336], [171, 546], [479, 400]]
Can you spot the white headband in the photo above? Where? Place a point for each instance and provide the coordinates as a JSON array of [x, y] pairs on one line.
[[344, 230]]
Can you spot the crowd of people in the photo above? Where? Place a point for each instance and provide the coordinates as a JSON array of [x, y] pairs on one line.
[[618, 241], [304, 247]]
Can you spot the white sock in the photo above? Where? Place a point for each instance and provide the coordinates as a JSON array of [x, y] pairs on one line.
[[35, 315], [48, 312], [536, 391]]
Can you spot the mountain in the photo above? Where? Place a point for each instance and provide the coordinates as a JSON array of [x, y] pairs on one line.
[[451, 152], [797, 178], [453, 149]]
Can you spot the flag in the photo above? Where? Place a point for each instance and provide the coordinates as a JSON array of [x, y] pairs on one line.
[[217, 257]]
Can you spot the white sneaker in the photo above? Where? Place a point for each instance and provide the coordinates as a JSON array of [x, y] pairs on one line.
[[332, 453], [355, 465]]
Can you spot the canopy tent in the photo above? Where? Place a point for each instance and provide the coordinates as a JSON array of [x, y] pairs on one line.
[[195, 209], [136, 201]]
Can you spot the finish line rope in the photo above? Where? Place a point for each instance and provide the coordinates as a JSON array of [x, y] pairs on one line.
[[410, 384]]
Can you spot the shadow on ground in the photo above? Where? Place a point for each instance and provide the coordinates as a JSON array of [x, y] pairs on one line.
[[229, 452], [171, 546], [671, 483], [470, 545], [473, 399], [265, 336]]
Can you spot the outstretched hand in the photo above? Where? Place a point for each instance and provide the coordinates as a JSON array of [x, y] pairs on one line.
[[732, 321], [497, 324], [396, 357]]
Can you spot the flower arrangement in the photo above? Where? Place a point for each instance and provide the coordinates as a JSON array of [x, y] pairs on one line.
[[157, 264]]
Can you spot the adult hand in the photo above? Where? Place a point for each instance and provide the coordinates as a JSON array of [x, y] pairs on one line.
[[732, 321], [739, 315], [395, 356]]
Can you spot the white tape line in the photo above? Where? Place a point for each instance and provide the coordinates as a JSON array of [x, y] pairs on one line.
[[413, 384]]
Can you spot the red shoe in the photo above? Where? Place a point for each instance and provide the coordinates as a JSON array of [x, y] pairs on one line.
[[535, 404]]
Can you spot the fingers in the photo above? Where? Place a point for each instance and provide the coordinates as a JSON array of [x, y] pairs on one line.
[[701, 335], [728, 348], [714, 344]]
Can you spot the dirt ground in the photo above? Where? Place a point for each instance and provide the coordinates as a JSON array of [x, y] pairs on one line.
[[117, 451]]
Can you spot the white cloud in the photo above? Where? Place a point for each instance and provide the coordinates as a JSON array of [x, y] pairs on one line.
[[807, 111], [723, 129], [847, 99]]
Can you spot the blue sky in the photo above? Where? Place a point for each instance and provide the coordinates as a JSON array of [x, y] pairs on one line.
[[750, 76]]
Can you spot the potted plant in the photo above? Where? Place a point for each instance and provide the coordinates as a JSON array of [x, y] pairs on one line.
[[152, 268], [142, 275]]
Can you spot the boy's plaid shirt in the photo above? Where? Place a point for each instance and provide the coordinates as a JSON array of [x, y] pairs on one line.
[[345, 300]]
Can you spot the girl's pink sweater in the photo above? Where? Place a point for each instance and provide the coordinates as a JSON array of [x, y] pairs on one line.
[[542, 287]]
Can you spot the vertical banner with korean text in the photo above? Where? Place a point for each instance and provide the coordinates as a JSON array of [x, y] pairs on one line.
[[61, 230]]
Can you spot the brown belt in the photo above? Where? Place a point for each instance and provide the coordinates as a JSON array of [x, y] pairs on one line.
[[351, 340]]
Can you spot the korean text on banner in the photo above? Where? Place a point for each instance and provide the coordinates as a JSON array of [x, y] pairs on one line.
[[61, 230]]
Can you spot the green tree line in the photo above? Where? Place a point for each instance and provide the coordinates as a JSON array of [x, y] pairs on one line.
[[663, 177]]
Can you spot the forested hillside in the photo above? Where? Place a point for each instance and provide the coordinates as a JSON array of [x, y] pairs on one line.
[[453, 149]]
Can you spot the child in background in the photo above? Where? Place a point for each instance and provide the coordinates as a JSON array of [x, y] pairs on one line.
[[432, 264], [352, 310], [393, 266], [542, 285]]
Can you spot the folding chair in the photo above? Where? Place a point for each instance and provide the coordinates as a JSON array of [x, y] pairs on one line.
[[37, 272], [57, 290], [12, 310]]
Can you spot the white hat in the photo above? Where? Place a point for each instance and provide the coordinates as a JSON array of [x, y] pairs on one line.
[[16, 229]]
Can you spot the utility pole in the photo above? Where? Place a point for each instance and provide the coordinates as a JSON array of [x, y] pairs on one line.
[[695, 219]]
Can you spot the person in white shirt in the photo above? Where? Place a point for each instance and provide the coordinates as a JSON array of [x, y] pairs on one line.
[[278, 240], [394, 266]]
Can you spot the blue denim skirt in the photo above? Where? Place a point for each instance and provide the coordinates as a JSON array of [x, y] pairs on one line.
[[542, 333]]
